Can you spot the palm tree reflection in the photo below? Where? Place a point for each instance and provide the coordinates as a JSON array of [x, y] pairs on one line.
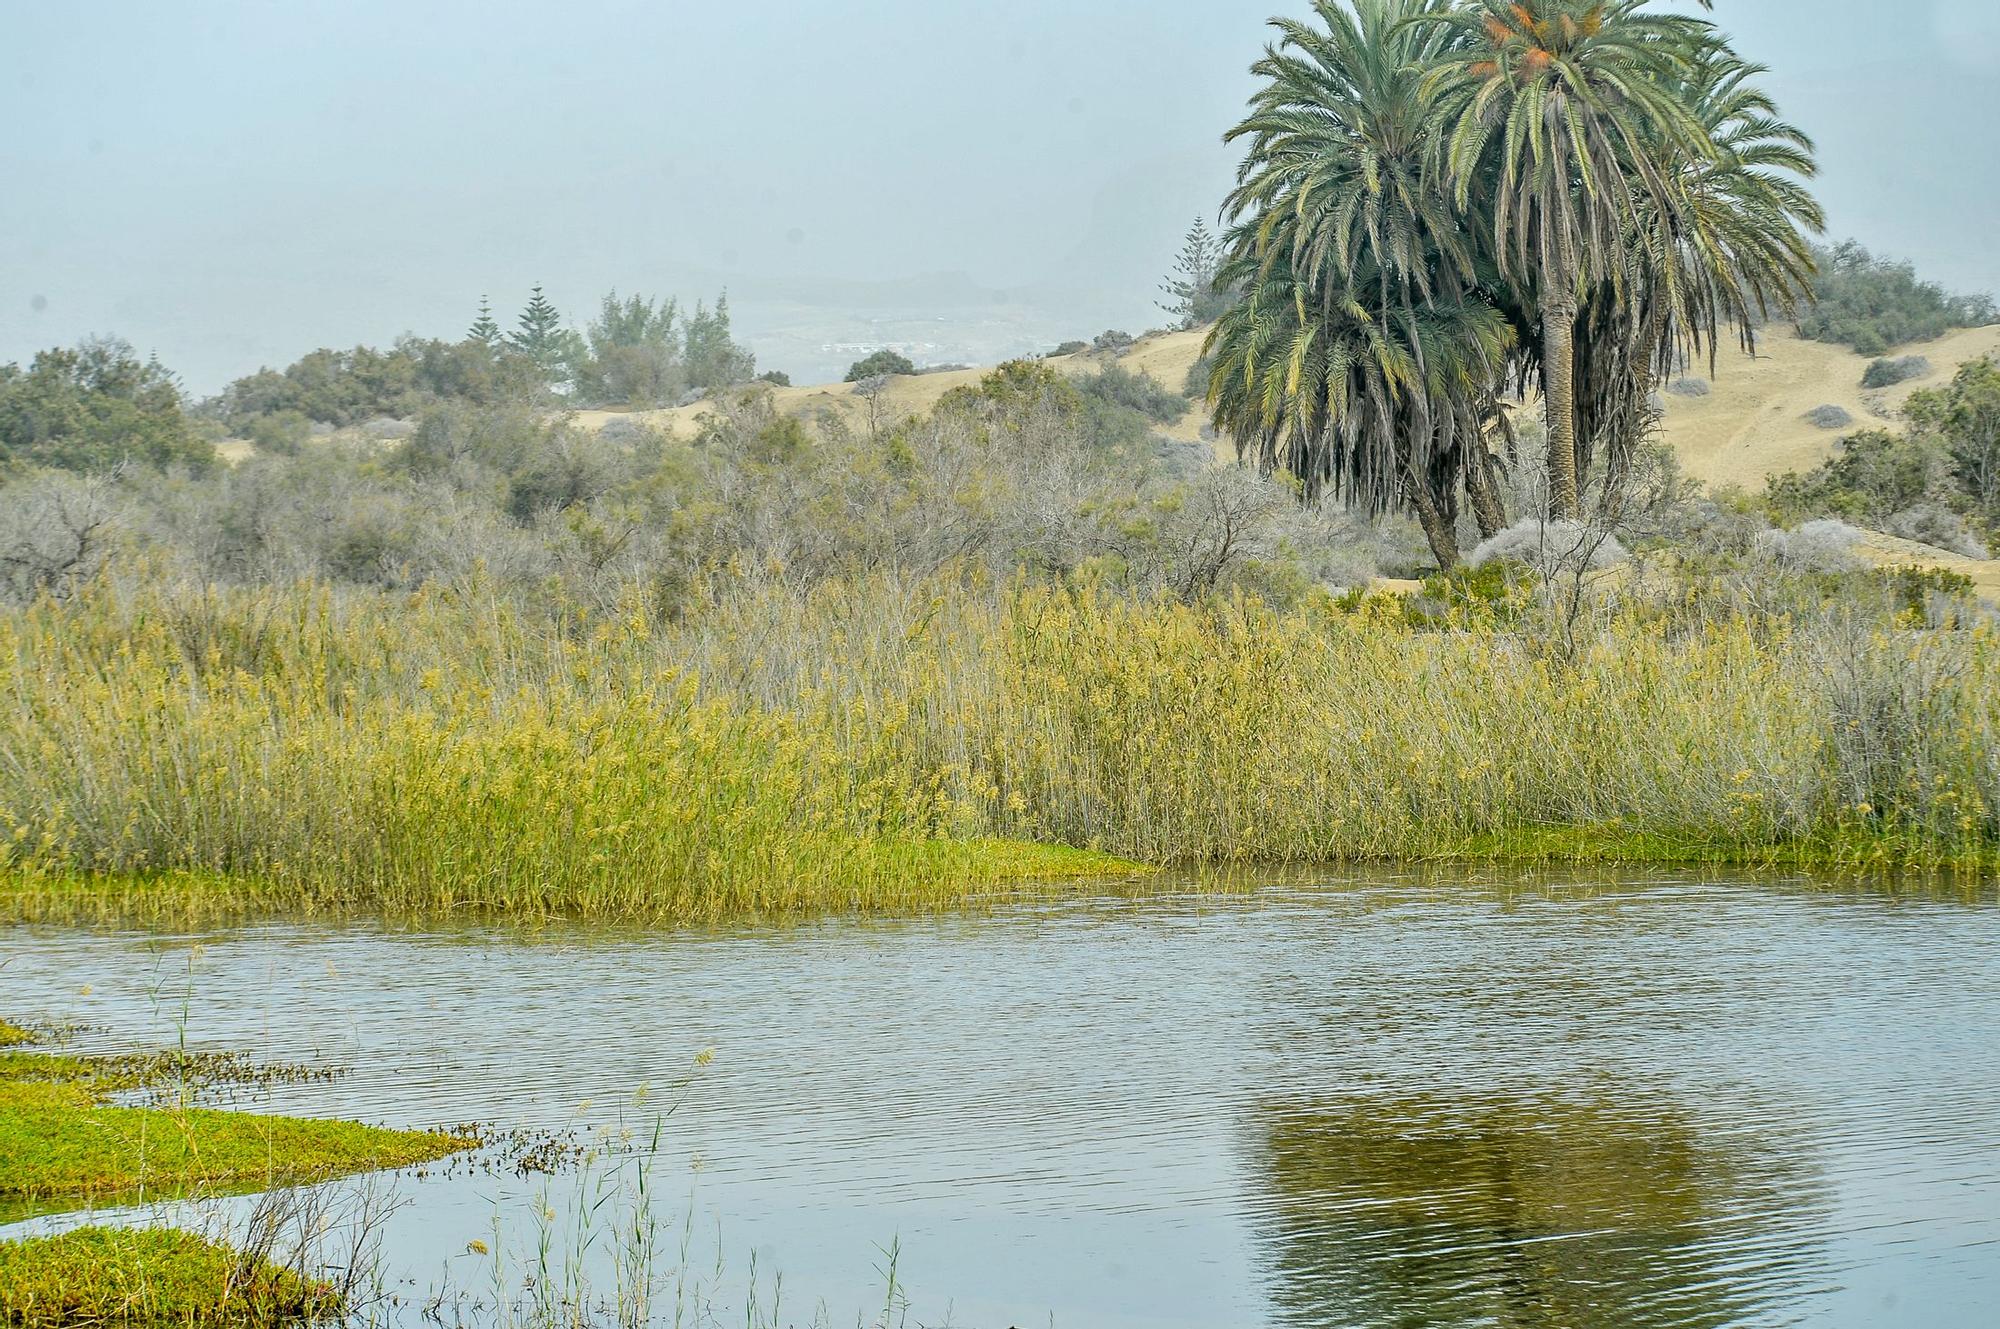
[[1532, 1213]]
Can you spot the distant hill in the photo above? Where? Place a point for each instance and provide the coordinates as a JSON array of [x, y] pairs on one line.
[[1166, 356], [1750, 427]]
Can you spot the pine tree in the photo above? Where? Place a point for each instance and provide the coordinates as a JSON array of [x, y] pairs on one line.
[[484, 330], [538, 331], [1191, 291], [714, 360]]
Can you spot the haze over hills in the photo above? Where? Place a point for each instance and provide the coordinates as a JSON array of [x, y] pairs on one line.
[[1058, 171]]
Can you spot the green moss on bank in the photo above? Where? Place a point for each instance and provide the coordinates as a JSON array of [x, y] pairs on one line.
[[1852, 849], [149, 1277], [904, 876], [874, 876], [60, 1138]]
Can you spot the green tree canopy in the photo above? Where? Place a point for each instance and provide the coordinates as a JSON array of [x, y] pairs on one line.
[[877, 363], [94, 407], [1590, 189]]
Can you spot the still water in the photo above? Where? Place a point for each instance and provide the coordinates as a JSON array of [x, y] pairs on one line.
[[1659, 1101]]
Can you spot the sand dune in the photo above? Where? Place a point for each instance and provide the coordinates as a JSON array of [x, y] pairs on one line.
[[1753, 424], [1750, 428], [1166, 356]]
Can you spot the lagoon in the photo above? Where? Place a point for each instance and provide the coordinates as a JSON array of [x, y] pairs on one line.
[[1360, 1098]]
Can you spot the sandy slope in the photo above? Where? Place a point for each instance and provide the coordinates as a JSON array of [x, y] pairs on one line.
[[1753, 427], [1886, 551], [1167, 357], [1750, 428]]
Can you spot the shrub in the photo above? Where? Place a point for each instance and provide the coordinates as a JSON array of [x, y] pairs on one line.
[[1874, 473], [280, 432], [777, 378], [1690, 387], [1822, 546], [93, 408], [1071, 348], [1932, 523], [1965, 416], [1873, 304], [879, 363], [347, 387], [1198, 374], [1888, 373], [1112, 340], [1137, 392], [1551, 547], [571, 468], [1829, 417]]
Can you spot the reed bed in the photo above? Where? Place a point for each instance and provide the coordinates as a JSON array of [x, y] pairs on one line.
[[892, 744]]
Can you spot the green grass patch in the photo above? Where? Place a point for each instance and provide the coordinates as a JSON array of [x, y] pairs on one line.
[[61, 1139], [1849, 849], [148, 1277]]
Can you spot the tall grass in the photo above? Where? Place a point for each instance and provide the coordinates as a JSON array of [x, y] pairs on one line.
[[888, 744]]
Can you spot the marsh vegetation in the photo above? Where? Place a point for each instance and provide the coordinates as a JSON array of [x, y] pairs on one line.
[[595, 636]]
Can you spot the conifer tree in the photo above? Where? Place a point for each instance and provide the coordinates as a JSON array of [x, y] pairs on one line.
[[1192, 297], [484, 330], [537, 333]]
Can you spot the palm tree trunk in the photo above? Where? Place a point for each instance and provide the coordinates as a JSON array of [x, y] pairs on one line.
[[1559, 385], [1443, 539], [1484, 491]]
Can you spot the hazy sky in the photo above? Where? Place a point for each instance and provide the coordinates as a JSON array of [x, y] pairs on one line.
[[231, 184]]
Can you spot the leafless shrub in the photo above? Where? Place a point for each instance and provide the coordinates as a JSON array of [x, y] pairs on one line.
[[1551, 547], [1825, 545], [1936, 525], [56, 531], [329, 1233], [627, 430]]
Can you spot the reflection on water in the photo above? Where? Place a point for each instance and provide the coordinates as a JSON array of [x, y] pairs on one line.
[[1655, 1102], [1592, 1212]]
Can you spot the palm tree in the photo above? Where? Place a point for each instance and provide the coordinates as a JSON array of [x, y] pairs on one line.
[[1340, 139], [1734, 244], [1379, 407], [1732, 248], [1360, 361], [1568, 118]]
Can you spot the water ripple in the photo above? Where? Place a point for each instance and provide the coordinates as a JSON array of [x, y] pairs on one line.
[[1657, 1103]]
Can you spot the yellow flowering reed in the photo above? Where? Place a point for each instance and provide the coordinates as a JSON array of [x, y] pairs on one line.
[[877, 745]]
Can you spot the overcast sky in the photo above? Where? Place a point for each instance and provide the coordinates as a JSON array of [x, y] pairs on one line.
[[231, 184]]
